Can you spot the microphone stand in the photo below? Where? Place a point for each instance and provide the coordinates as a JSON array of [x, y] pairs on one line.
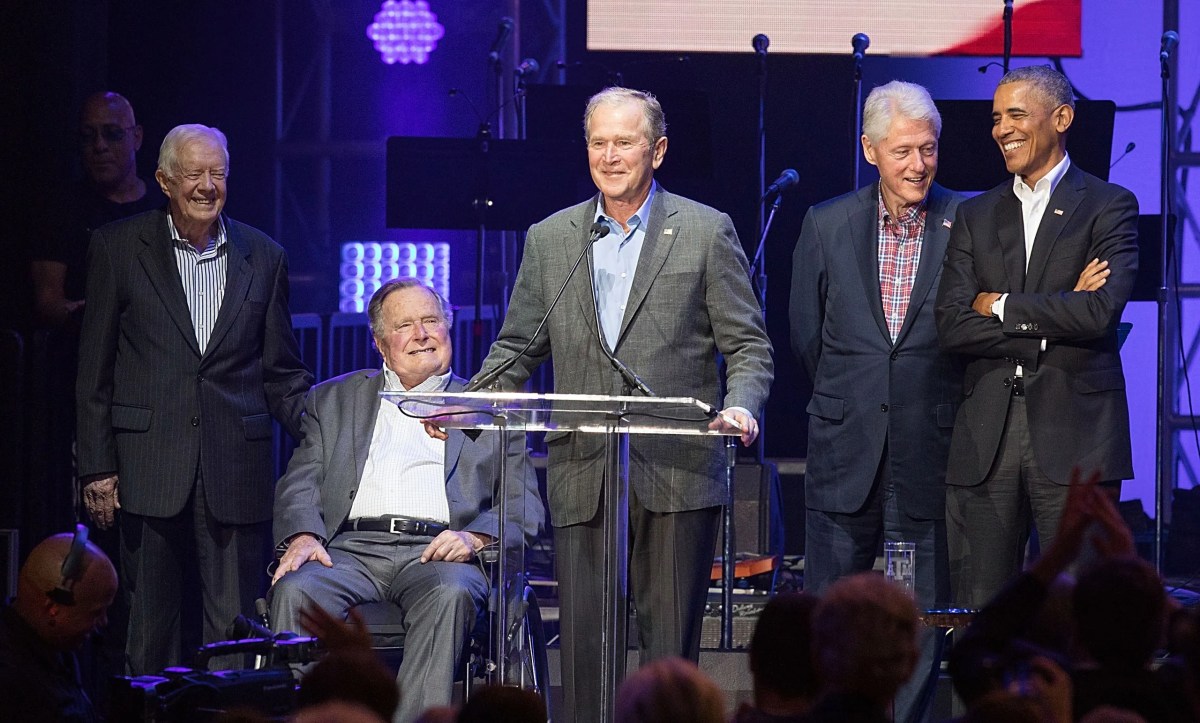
[[1008, 30], [758, 269], [1164, 447], [854, 132]]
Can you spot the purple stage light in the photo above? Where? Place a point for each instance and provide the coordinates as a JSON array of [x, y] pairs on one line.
[[405, 31]]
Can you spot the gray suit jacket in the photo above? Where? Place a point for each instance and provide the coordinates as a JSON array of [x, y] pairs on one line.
[[316, 492], [1075, 390], [867, 390], [690, 301], [155, 410]]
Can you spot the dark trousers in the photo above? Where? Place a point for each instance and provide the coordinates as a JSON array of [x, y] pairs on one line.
[[839, 544], [158, 556], [670, 564]]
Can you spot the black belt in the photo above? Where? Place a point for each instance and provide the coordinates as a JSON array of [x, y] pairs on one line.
[[394, 525], [1018, 386]]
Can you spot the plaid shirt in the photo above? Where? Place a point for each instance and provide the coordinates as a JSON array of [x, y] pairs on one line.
[[899, 255]]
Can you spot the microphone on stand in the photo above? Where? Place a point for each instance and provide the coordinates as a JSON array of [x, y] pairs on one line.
[[760, 43], [860, 42], [1170, 41], [503, 33], [528, 67], [597, 231], [632, 380], [1129, 147], [786, 180]]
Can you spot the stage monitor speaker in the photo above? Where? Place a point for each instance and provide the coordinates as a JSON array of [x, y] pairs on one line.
[[757, 524], [746, 609]]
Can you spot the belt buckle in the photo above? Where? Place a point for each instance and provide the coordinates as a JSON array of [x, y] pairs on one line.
[[394, 525]]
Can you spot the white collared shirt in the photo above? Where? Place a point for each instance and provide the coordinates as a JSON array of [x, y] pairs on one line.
[[203, 275], [405, 471], [1033, 208]]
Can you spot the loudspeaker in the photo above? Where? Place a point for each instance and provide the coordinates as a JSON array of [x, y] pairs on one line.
[[746, 609], [757, 524]]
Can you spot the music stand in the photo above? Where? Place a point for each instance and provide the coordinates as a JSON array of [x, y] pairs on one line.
[[481, 183]]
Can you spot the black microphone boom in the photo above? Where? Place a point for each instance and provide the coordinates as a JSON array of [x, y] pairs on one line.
[[598, 231], [786, 180], [860, 42], [503, 33]]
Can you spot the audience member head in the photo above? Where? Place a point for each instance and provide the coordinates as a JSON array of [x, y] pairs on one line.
[[1120, 612], [110, 138], [438, 714], [64, 622], [503, 704], [669, 690], [193, 165], [338, 711], [865, 637], [901, 126], [350, 676], [411, 326], [780, 654]]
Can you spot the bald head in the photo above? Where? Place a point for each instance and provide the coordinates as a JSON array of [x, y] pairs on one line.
[[110, 137], [65, 627]]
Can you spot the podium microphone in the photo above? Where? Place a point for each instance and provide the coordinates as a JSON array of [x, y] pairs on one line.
[[598, 230], [860, 42], [786, 180]]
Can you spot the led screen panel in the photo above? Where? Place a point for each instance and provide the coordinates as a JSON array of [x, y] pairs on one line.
[[895, 27]]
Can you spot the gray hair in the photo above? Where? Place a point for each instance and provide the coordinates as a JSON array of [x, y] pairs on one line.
[[375, 305], [1050, 85], [896, 99], [180, 136], [654, 122]]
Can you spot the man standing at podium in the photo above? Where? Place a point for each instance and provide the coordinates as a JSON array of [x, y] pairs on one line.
[[670, 282]]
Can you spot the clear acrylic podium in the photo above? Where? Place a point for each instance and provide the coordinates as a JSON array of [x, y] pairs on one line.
[[616, 417]]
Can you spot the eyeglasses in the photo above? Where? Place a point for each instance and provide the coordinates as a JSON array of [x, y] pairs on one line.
[[110, 133], [623, 145], [216, 174]]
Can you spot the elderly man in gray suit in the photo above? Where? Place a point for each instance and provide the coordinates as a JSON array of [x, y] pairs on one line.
[[371, 508], [671, 285]]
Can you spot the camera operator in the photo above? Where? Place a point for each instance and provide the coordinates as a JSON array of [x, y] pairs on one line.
[[62, 598]]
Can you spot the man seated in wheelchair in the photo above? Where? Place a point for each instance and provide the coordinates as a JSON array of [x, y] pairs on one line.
[[372, 508]]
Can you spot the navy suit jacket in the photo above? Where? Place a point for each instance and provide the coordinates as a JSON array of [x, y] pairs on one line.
[[1075, 390], [867, 390], [151, 407], [318, 489]]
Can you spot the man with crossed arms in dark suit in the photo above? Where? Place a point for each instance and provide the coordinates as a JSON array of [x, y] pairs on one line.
[[186, 353], [864, 279], [672, 286], [1037, 273], [371, 508]]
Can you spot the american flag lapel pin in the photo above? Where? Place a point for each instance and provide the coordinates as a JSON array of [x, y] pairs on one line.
[[947, 223], [668, 231], [1058, 212]]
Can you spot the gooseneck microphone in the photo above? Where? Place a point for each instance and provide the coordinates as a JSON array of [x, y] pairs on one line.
[[598, 231], [786, 180], [503, 33], [632, 380]]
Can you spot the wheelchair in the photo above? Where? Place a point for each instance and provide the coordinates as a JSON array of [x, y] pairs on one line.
[[524, 638]]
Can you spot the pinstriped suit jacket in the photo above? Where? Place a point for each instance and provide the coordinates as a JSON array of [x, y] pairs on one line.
[[691, 299], [151, 407]]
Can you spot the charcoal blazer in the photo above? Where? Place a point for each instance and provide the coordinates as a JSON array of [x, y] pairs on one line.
[[690, 300], [151, 407], [1075, 389], [867, 390], [322, 478]]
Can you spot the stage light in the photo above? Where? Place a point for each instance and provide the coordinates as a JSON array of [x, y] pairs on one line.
[[368, 264], [405, 31]]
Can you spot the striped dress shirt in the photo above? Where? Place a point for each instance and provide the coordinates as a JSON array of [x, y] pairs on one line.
[[203, 275]]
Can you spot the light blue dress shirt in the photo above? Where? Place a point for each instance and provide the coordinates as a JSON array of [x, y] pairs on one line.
[[615, 259]]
